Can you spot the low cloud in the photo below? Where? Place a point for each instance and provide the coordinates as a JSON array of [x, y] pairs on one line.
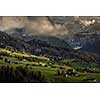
[[42, 25], [35, 25]]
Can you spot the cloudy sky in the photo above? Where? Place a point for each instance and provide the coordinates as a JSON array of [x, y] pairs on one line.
[[47, 25]]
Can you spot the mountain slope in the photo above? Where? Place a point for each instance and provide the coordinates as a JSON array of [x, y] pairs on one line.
[[7, 41], [57, 49], [92, 47], [23, 67], [52, 41]]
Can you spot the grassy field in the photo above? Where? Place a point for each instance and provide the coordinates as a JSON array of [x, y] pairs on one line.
[[67, 70]]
